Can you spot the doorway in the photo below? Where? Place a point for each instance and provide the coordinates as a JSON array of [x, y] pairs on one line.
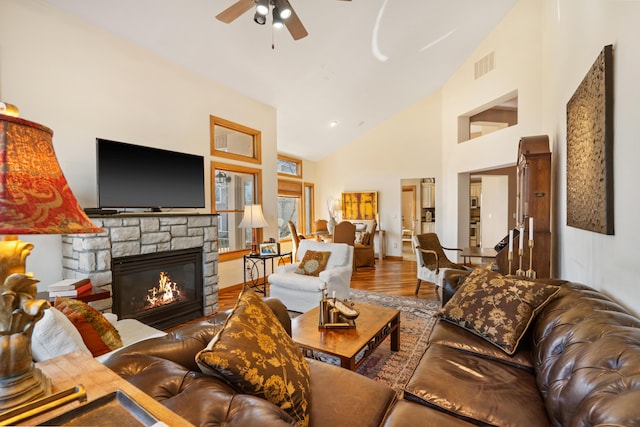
[[418, 212], [492, 199], [408, 219]]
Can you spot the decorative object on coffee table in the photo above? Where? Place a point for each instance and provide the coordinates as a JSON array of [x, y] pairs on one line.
[[34, 199]]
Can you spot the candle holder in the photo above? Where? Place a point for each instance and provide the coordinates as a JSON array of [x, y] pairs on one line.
[[531, 274], [520, 271], [510, 258]]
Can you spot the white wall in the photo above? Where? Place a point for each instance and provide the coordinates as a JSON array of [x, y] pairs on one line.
[[85, 83], [575, 31], [517, 46], [404, 147], [544, 49]]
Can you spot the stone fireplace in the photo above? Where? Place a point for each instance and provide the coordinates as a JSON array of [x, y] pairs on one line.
[[161, 289], [146, 238]]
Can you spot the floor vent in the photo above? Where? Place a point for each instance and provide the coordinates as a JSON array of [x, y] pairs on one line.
[[484, 65]]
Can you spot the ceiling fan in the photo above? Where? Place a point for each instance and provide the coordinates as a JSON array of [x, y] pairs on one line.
[[283, 14]]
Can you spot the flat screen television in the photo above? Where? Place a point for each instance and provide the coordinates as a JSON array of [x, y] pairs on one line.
[[133, 176]]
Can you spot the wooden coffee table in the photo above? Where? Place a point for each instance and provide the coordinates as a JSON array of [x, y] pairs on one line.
[[373, 325]]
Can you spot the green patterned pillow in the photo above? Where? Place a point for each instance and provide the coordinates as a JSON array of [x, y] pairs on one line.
[[255, 355], [497, 308]]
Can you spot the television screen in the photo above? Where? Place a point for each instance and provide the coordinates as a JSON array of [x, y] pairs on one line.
[[133, 176]]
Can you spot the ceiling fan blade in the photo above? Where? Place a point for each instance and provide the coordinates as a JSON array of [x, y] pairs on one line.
[[234, 11], [294, 25]]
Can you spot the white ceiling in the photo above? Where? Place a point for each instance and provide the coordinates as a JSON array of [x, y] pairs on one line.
[[363, 60]]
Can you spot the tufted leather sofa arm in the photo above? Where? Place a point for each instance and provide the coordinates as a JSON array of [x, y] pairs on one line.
[[587, 359], [451, 280]]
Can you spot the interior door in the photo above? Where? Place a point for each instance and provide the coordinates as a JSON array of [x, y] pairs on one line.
[[494, 205], [408, 208]]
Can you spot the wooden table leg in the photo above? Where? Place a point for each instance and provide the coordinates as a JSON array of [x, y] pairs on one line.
[[395, 334]]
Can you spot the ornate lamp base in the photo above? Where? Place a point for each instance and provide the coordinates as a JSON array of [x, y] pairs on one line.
[[24, 388]]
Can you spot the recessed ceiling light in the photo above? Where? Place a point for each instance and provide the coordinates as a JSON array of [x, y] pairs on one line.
[[333, 123]]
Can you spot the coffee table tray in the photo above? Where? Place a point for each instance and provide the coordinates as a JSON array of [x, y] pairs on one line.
[[116, 409]]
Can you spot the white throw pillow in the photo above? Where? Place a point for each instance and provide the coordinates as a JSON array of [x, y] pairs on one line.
[[111, 318], [55, 335]]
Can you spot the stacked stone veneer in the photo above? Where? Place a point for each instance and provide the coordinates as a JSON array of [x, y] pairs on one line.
[[90, 255]]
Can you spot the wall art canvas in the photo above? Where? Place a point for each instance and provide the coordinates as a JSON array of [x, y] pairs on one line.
[[590, 149], [361, 205]]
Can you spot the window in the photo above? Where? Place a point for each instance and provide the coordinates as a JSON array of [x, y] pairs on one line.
[[234, 187], [289, 166], [235, 141], [289, 202], [499, 114], [308, 208]]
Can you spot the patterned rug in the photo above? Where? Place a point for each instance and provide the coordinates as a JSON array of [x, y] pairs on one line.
[[394, 368]]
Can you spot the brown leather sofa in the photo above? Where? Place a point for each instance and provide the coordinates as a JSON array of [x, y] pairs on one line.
[[579, 366], [165, 369]]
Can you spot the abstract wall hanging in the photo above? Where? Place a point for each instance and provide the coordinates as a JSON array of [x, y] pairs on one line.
[[360, 205], [590, 149]]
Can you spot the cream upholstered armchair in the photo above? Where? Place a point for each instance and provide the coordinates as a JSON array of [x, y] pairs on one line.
[[431, 260], [301, 293]]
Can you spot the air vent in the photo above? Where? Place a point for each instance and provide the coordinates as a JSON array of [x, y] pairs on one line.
[[484, 65]]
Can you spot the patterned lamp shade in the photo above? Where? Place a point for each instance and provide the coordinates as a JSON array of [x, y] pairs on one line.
[[34, 195]]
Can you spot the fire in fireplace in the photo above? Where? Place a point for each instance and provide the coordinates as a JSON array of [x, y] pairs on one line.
[[161, 289], [166, 292]]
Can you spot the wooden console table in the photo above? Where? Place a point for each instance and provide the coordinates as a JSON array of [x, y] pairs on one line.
[[79, 368]]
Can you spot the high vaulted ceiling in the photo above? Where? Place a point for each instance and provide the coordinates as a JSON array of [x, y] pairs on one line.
[[362, 62]]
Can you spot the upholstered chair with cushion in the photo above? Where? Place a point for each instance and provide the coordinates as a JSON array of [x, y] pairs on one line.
[[432, 261], [299, 285], [344, 232], [295, 239], [363, 253]]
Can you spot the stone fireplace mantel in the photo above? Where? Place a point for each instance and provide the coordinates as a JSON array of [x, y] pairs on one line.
[[90, 255]]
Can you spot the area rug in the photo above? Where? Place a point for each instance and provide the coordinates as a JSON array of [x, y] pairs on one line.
[[417, 318]]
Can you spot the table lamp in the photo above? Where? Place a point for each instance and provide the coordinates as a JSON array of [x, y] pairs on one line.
[[253, 218], [34, 199]]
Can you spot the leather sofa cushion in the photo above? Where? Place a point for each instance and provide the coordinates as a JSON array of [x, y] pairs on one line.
[[476, 388], [450, 335], [342, 398], [406, 413]]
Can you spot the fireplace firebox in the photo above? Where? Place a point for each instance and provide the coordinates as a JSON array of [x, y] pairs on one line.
[[161, 289]]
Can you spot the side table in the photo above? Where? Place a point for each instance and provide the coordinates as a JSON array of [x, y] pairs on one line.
[[95, 295], [255, 269]]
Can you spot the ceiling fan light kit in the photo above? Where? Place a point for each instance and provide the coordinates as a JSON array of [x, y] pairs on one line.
[[277, 20], [262, 7], [283, 14]]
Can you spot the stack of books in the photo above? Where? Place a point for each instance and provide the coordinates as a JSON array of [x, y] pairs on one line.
[[70, 288]]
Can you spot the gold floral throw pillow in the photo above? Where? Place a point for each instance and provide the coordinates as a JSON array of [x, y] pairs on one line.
[[313, 262], [255, 355], [497, 308]]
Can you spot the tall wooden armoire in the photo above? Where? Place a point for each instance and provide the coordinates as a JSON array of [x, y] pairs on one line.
[[533, 200]]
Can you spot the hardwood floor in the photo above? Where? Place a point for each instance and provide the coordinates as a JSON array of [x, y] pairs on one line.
[[393, 277]]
